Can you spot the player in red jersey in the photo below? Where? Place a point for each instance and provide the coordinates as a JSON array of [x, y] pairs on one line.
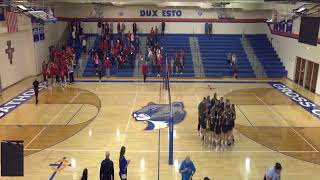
[[44, 72]]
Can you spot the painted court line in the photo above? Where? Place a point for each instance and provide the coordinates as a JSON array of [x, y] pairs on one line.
[[155, 151], [179, 81], [286, 122], [55, 117], [154, 92], [244, 115], [130, 116]]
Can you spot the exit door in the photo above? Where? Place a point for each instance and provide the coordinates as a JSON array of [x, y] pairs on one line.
[[300, 71], [306, 74]]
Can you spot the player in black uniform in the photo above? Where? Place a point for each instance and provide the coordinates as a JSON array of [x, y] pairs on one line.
[[227, 104], [203, 124], [217, 128], [231, 125], [208, 104], [221, 104], [211, 125], [214, 100], [200, 111], [36, 89], [225, 127]]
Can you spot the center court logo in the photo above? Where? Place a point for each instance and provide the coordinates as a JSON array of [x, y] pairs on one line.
[[298, 98], [157, 115]]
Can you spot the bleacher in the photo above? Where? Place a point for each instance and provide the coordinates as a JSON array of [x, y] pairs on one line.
[[77, 48], [214, 52], [267, 55], [171, 44], [90, 71]]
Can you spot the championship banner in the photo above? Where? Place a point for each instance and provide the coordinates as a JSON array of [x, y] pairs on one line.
[[289, 26], [276, 26], [35, 30], [35, 33], [282, 25], [41, 32]]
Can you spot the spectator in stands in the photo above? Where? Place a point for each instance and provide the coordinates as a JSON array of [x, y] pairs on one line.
[[273, 173], [159, 63], [163, 27], [206, 26], [73, 35], [107, 63], [107, 29], [84, 174], [107, 168], [131, 56], [182, 58], [132, 39], [84, 45], [118, 28], [177, 63], [152, 32], [145, 71], [172, 65], [187, 169], [137, 43], [111, 31], [70, 71], [233, 58], [123, 164], [134, 28], [103, 46], [229, 57], [123, 28], [210, 28], [234, 65], [96, 61], [156, 31]]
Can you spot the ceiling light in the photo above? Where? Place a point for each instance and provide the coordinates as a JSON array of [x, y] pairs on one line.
[[300, 10], [22, 7]]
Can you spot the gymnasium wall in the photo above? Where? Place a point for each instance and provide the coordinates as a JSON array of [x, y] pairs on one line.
[[53, 33], [182, 24], [289, 49], [28, 56], [23, 57]]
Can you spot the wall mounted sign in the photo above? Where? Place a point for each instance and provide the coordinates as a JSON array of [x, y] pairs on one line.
[[161, 13]]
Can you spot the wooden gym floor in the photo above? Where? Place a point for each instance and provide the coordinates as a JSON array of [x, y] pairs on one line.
[[86, 119]]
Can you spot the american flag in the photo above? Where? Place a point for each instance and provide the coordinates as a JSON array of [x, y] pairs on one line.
[[12, 20]]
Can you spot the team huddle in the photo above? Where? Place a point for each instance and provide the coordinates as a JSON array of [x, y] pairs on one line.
[[59, 68], [216, 121]]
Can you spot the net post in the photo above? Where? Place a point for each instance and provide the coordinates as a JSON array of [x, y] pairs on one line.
[[170, 124]]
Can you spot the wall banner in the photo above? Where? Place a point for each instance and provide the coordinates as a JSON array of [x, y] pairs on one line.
[[289, 26], [282, 25], [160, 13], [41, 32]]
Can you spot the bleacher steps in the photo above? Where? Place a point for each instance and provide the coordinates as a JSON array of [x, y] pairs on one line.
[[253, 59]]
